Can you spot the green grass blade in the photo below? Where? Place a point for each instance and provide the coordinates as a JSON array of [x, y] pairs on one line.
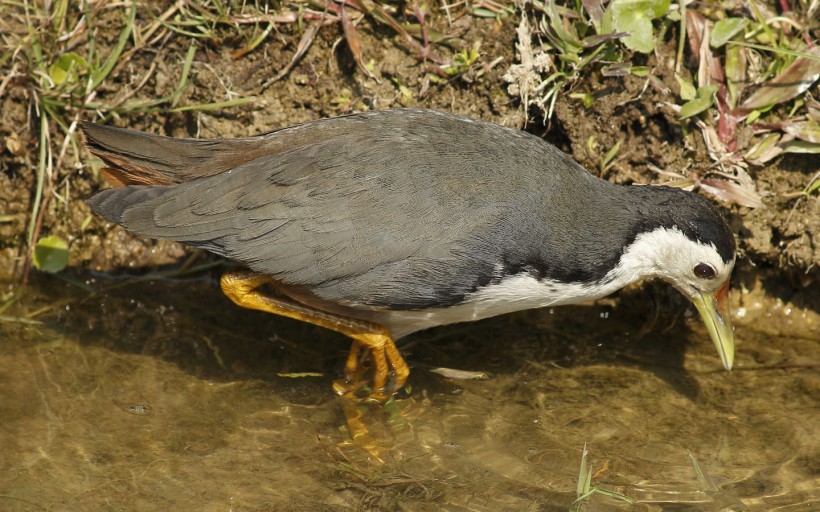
[[114, 56], [775, 49], [41, 173], [183, 77], [214, 106]]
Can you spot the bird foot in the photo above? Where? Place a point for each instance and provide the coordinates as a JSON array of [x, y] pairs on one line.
[[390, 371], [244, 288]]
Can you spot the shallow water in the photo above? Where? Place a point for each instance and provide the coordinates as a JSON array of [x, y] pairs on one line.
[[162, 395]]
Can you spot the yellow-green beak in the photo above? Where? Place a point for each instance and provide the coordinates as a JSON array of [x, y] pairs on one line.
[[714, 309]]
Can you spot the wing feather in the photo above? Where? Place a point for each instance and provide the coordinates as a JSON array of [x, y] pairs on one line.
[[395, 218]]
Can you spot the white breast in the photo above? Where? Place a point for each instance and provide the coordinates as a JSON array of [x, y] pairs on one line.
[[514, 293], [664, 253]]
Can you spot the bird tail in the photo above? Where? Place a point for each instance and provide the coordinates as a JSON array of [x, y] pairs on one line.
[[139, 158]]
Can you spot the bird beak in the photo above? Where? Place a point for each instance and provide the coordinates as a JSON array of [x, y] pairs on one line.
[[714, 309]]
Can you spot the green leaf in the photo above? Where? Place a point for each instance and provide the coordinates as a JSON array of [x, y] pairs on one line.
[[704, 98], [640, 71], [51, 254], [62, 68], [753, 116], [607, 25], [802, 146], [583, 477], [735, 68], [687, 88], [658, 8], [764, 150], [725, 30], [481, 12], [640, 29], [635, 16], [585, 97], [566, 34], [652, 9], [610, 155], [813, 187]]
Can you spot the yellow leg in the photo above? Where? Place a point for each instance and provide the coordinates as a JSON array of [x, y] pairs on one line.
[[242, 287]]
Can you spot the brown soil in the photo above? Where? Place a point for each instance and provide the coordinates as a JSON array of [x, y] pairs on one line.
[[781, 238]]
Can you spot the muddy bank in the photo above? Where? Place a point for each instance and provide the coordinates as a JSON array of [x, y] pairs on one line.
[[779, 240]]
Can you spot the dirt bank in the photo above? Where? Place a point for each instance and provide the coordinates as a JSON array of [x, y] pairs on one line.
[[780, 239]]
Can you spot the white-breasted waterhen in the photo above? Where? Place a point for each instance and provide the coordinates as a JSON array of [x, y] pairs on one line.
[[380, 224]]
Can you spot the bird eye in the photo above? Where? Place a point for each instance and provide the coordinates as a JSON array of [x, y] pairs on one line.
[[704, 271]]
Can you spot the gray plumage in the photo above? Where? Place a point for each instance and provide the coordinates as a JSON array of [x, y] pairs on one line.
[[398, 209]]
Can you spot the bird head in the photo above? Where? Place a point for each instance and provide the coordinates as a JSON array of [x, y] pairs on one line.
[[697, 258]]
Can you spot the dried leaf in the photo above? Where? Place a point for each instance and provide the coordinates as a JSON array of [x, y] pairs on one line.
[[595, 10], [814, 109], [715, 147], [454, 374], [695, 25], [14, 145], [706, 482], [698, 31], [593, 41], [727, 122], [805, 130], [301, 49], [616, 69], [710, 71], [791, 82], [732, 192], [708, 486], [353, 42]]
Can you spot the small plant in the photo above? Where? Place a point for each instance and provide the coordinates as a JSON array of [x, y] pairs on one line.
[[51, 254], [714, 97], [585, 490], [749, 91], [570, 45], [60, 64], [708, 486], [635, 17], [462, 61]]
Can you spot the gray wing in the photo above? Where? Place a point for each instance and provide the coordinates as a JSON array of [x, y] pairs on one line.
[[406, 218]]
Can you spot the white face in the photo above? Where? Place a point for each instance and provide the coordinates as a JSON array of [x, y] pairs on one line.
[[687, 265]]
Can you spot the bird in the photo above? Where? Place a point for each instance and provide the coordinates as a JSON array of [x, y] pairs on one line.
[[383, 223]]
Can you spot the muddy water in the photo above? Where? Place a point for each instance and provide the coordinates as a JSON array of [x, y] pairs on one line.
[[163, 396]]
